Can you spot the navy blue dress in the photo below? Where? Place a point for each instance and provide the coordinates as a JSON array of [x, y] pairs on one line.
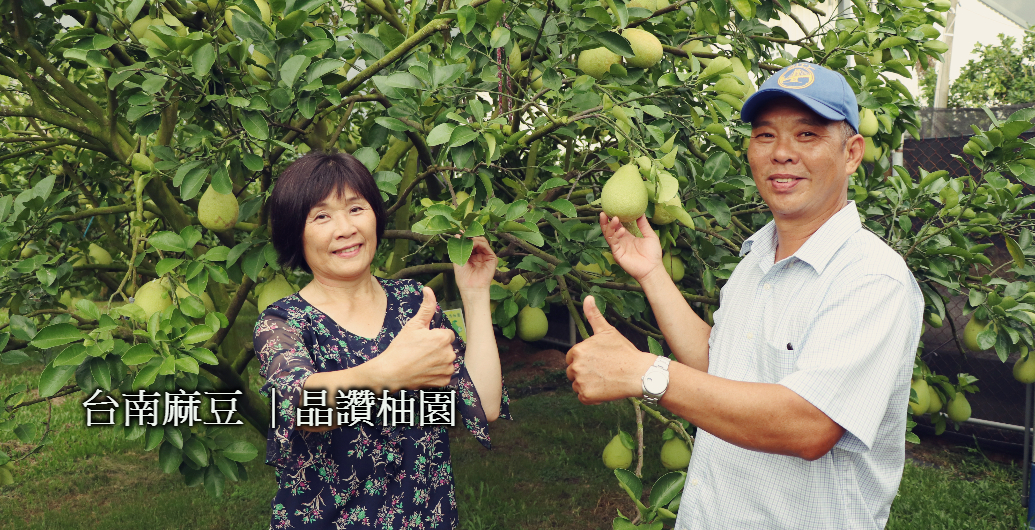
[[360, 477]]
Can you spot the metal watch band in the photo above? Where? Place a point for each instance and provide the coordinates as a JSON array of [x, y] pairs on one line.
[[661, 363]]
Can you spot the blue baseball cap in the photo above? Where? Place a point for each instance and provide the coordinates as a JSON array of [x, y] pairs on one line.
[[824, 91]]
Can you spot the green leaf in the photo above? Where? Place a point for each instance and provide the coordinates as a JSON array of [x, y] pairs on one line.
[[252, 162], [1015, 251], [321, 68], [440, 134], [462, 135], [460, 249], [146, 376], [240, 451], [291, 22], [667, 488], [615, 43], [167, 265], [198, 333], [139, 354], [255, 125], [716, 167], [214, 481], [101, 372], [630, 483], [552, 183], [53, 378], [499, 38], [196, 451], [368, 157], [564, 206], [56, 335], [203, 58], [25, 432], [168, 241], [73, 355], [466, 18], [169, 458], [370, 44], [88, 309], [718, 209]]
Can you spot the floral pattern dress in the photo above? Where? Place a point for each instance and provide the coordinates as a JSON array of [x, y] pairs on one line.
[[378, 477]]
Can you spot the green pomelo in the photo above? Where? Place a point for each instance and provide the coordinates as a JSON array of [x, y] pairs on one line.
[[673, 266], [624, 194], [959, 408], [1024, 369], [650, 5], [616, 454], [675, 455], [923, 397], [970, 333], [275, 289], [935, 399], [646, 47], [98, 255], [531, 324], [516, 283], [182, 293], [598, 61], [872, 152], [537, 80], [217, 211], [256, 69], [152, 297], [867, 123]]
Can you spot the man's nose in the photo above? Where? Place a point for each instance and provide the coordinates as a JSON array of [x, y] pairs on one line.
[[784, 151]]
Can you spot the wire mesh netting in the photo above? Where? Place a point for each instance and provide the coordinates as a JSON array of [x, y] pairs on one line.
[[1001, 399]]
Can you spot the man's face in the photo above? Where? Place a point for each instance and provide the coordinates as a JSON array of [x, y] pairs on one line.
[[800, 162]]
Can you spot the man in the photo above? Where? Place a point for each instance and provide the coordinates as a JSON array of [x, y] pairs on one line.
[[800, 390]]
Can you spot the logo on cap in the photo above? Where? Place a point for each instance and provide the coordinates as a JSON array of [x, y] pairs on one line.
[[797, 76]]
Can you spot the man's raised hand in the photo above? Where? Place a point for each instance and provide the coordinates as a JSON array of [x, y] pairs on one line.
[[605, 366], [638, 256]]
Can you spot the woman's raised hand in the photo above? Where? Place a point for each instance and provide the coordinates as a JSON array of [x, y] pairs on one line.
[[477, 272], [418, 357], [638, 256]]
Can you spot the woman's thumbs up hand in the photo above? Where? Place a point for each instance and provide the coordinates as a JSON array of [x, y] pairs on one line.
[[418, 357]]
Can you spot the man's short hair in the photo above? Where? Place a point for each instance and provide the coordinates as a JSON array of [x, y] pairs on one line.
[[305, 183]]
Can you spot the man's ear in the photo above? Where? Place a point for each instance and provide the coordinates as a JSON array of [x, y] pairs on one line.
[[854, 148]]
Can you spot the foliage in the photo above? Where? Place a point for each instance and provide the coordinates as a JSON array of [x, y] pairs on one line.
[[1002, 74], [437, 101]]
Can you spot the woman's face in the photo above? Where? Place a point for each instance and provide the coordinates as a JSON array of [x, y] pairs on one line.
[[340, 237]]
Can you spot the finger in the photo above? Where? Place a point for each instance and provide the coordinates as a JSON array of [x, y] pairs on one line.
[[570, 372], [645, 228], [593, 316], [422, 320]]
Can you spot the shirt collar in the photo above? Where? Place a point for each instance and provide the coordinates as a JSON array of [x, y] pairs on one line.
[[820, 247]]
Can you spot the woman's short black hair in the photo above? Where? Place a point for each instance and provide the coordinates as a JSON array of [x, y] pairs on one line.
[[305, 183]]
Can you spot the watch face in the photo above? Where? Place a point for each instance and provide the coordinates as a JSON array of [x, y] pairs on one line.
[[654, 383]]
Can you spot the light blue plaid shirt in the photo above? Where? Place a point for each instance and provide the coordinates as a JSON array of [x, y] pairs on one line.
[[838, 323]]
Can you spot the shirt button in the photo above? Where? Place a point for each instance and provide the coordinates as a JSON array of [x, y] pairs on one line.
[[694, 482], [767, 287], [750, 336]]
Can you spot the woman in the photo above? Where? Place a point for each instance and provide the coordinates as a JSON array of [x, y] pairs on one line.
[[349, 331]]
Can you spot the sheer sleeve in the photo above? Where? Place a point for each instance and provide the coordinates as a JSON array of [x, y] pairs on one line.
[[468, 403], [285, 362]]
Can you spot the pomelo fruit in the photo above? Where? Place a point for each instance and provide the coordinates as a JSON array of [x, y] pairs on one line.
[[597, 61], [531, 324], [274, 290], [616, 454], [624, 194], [98, 255], [935, 399], [673, 266], [923, 397], [217, 211], [867, 123], [646, 47], [675, 455], [1024, 368], [152, 297], [959, 408], [970, 333]]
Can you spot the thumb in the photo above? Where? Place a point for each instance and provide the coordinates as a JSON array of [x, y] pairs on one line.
[[593, 316], [422, 319], [645, 228]]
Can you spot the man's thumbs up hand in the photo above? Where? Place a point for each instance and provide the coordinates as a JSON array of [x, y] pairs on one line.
[[606, 366]]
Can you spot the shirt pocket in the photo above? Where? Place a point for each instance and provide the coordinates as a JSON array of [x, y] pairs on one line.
[[781, 355]]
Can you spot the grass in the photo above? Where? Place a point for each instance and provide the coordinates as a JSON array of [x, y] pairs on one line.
[[544, 472]]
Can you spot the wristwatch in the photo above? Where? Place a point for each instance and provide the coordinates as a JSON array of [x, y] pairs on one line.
[[655, 381]]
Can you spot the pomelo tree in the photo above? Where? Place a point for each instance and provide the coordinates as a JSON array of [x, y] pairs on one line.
[[157, 130]]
